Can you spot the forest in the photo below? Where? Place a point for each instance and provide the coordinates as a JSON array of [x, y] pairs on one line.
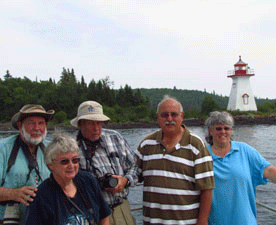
[[122, 105]]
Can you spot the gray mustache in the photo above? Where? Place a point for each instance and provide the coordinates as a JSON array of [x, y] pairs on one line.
[[170, 123]]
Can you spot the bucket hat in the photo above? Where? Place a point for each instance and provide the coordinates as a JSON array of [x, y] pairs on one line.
[[89, 110], [31, 110]]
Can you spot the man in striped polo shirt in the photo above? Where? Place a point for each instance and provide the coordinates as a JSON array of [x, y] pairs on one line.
[[177, 171]]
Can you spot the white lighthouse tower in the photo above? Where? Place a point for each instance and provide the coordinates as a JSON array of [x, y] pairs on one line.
[[241, 96]]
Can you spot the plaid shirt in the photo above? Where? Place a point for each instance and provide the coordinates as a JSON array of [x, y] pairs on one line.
[[112, 155]]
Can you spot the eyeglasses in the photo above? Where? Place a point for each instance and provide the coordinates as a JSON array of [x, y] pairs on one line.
[[67, 161], [221, 128], [34, 123], [167, 114]]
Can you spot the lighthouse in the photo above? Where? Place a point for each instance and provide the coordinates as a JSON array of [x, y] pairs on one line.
[[241, 96]]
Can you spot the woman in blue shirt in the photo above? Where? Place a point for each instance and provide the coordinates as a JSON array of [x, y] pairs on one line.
[[238, 169]]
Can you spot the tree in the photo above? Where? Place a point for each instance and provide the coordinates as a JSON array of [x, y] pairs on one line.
[[83, 84], [60, 117], [267, 107], [68, 93], [125, 97], [67, 76], [208, 105], [7, 75]]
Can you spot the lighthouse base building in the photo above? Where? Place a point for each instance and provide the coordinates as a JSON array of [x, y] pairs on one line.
[[241, 96]]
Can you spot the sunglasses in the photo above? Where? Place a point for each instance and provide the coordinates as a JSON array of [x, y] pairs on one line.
[[167, 114], [221, 128], [67, 161]]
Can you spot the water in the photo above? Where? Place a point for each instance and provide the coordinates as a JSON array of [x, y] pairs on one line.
[[261, 137]]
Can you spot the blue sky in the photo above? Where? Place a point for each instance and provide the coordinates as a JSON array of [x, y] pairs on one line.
[[143, 43]]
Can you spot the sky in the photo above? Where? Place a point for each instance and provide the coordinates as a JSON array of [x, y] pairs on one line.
[[142, 43]]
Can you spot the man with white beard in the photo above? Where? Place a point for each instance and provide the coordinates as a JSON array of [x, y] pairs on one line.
[[22, 166]]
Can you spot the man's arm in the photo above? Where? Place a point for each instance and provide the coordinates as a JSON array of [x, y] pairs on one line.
[[127, 163], [122, 182], [205, 206], [130, 166], [270, 173]]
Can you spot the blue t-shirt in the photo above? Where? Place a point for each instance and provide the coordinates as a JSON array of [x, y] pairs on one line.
[[237, 175], [17, 176]]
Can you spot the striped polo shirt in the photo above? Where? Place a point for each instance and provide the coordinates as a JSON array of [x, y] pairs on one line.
[[173, 181]]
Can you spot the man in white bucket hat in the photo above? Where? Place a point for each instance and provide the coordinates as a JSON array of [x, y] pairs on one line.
[[22, 162], [107, 155]]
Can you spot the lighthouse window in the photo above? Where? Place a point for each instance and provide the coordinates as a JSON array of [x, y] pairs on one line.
[[240, 68], [245, 99]]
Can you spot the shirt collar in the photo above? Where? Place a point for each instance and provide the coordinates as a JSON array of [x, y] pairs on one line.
[[234, 147], [183, 141]]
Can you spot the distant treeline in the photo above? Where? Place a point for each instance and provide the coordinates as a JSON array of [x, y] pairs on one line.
[[64, 97], [123, 105]]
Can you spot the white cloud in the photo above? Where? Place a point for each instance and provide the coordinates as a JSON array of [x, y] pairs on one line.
[[142, 43]]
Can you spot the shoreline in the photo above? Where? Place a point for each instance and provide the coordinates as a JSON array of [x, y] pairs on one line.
[[239, 120]]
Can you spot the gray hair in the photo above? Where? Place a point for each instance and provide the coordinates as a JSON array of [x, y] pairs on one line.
[[61, 143], [166, 98], [217, 117]]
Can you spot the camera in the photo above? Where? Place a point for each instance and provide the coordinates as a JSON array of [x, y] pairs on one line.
[[107, 181]]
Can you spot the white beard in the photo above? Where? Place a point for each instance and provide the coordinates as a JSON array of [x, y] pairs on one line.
[[29, 139]]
